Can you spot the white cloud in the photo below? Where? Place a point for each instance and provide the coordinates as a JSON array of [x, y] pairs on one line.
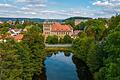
[[25, 8], [40, 9], [30, 13], [21, 0], [36, 6], [31, 1], [108, 3], [6, 6], [108, 7], [105, 3], [115, 0], [44, 9]]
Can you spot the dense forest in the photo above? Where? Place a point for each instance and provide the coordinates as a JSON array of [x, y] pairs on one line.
[[99, 46], [22, 60]]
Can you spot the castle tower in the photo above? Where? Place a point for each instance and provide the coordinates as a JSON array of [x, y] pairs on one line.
[[47, 28]]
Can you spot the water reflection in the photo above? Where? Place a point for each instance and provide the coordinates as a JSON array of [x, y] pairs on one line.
[[64, 66], [67, 54], [60, 67], [82, 69]]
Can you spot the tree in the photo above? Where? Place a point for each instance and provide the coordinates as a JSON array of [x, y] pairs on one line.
[[86, 49], [80, 26], [67, 39], [17, 21], [99, 47], [25, 56], [34, 41], [6, 25], [61, 41], [96, 28], [112, 60], [52, 39], [19, 26], [10, 64], [23, 60], [70, 22], [4, 30], [114, 22]]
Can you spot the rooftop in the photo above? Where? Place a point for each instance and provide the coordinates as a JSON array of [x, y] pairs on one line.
[[58, 27], [18, 37]]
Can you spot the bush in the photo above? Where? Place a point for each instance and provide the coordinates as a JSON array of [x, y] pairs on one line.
[[52, 39], [67, 39]]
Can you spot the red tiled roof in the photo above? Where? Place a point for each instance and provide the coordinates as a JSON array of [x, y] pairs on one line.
[[59, 27], [18, 37], [4, 36]]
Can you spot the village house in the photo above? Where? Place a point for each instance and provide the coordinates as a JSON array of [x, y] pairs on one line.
[[16, 34], [12, 34], [18, 38]]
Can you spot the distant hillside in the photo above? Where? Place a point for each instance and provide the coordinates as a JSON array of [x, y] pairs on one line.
[[42, 20], [30, 19], [73, 18], [21, 19]]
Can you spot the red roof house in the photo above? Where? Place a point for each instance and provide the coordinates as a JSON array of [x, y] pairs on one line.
[[58, 27], [55, 28]]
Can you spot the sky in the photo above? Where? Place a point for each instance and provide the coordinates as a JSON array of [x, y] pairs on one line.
[[58, 9]]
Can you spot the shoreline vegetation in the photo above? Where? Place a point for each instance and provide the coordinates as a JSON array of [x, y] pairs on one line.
[[55, 49], [98, 45], [58, 45]]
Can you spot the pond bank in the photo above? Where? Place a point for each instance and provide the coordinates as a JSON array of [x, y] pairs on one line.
[[55, 49], [57, 45]]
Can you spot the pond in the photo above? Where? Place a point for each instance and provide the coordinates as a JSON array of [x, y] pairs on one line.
[[65, 66], [60, 67]]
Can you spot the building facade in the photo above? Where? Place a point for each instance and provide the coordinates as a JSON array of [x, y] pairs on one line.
[[55, 28]]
